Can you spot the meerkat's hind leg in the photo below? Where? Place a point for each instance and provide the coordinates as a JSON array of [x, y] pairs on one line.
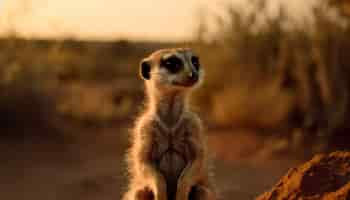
[[200, 192]]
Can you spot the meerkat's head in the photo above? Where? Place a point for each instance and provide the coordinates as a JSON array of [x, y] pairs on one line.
[[172, 69]]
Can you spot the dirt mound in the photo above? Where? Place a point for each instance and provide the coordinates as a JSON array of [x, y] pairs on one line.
[[324, 177]]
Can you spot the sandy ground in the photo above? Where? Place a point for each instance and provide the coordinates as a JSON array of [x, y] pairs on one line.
[[93, 168]]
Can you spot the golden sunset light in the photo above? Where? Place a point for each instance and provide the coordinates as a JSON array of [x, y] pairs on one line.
[[109, 19]]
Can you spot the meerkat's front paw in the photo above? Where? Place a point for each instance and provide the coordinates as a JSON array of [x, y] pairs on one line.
[[201, 192], [143, 194]]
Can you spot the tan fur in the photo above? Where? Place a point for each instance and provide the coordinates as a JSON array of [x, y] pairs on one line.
[[168, 156]]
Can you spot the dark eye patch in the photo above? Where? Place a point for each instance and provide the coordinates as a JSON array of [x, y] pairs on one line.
[[195, 62], [173, 64]]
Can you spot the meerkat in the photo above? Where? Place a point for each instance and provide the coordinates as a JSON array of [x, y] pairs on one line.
[[168, 157]]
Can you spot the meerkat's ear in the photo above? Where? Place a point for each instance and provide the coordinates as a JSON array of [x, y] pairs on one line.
[[145, 69]]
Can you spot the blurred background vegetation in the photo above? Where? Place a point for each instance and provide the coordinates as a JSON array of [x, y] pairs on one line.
[[282, 77], [282, 81], [280, 74]]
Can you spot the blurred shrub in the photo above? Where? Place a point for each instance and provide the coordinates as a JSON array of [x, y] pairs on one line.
[[93, 82], [27, 107], [246, 107], [275, 71], [97, 103]]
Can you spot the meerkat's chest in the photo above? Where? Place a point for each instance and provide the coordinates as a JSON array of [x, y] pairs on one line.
[[171, 152]]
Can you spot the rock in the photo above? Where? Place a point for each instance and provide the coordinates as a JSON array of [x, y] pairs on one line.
[[325, 177]]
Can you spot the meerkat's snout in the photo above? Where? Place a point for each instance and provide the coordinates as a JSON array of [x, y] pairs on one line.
[[193, 76]]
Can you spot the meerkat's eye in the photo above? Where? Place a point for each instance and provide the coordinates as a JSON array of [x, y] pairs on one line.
[[172, 64], [195, 62]]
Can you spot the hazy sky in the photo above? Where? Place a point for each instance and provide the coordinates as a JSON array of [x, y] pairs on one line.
[[133, 19]]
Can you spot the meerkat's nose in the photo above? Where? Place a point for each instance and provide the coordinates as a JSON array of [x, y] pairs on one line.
[[193, 76]]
